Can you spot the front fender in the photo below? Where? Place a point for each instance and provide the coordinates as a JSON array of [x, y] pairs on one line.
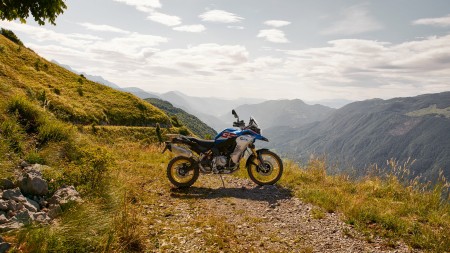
[[252, 157]]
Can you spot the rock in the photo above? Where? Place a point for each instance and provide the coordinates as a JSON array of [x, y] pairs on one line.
[[4, 247], [6, 184], [32, 183], [24, 164], [54, 210], [3, 219], [41, 217], [65, 195], [3, 205], [24, 216], [31, 205], [10, 226], [14, 205], [14, 194]]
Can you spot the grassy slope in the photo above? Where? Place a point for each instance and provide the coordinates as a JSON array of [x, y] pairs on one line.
[[122, 175], [69, 96]]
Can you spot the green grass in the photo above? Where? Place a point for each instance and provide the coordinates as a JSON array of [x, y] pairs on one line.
[[431, 110], [390, 207]]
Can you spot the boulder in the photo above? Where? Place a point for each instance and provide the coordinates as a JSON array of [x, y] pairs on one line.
[[6, 184], [32, 183], [65, 195], [24, 217], [31, 205], [54, 210], [41, 217], [4, 247], [14, 194], [3, 219], [14, 205], [3, 205], [10, 226]]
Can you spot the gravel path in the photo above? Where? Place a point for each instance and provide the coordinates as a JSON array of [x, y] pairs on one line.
[[243, 217]]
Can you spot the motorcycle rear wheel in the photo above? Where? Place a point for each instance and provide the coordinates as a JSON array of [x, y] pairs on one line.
[[269, 172], [182, 171]]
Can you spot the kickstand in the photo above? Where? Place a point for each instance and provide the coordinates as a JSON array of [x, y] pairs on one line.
[[223, 183]]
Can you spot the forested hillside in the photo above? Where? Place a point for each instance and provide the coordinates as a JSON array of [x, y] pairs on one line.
[[181, 117], [374, 131]]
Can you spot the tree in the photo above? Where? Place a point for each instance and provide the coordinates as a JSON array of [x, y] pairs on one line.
[[158, 133], [41, 10]]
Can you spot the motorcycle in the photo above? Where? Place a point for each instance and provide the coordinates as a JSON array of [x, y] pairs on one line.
[[222, 155]]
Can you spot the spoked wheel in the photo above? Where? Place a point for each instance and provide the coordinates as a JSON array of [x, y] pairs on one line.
[[267, 173], [182, 171]]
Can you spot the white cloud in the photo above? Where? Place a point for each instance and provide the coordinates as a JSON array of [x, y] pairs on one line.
[[353, 20], [442, 21], [220, 16], [237, 27], [273, 35], [190, 28], [142, 5], [102, 28], [277, 23], [164, 19], [368, 66]]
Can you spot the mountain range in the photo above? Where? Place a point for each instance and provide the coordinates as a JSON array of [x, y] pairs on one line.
[[374, 131]]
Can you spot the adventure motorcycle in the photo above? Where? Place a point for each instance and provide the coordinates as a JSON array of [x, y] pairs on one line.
[[222, 155]]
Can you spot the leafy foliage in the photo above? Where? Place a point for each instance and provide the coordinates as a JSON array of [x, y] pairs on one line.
[[41, 10]]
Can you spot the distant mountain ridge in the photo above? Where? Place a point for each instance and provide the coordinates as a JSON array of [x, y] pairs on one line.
[[373, 131], [284, 112]]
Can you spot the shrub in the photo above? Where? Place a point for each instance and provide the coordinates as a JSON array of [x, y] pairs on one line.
[[11, 36], [80, 90], [13, 134], [34, 157], [53, 130], [27, 114]]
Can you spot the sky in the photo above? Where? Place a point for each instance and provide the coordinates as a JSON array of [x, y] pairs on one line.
[[270, 49]]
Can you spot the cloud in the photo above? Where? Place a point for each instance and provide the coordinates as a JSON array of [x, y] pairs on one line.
[[102, 28], [237, 27], [190, 28], [220, 16], [277, 23], [273, 35], [375, 65], [353, 20], [164, 19], [142, 5], [442, 21]]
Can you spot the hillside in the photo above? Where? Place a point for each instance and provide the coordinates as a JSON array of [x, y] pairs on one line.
[[68, 96], [275, 113], [129, 205], [207, 109], [374, 131], [193, 123]]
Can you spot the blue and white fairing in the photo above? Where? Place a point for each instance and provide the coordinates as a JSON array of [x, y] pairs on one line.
[[236, 132]]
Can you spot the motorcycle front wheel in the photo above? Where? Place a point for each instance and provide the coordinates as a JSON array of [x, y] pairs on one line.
[[182, 171], [269, 171]]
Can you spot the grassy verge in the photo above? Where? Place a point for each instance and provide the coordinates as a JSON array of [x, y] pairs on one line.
[[379, 206]]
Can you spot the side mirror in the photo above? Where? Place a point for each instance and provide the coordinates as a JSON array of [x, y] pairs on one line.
[[234, 114]]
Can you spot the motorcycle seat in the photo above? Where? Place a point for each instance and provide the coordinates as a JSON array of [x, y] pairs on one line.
[[204, 143]]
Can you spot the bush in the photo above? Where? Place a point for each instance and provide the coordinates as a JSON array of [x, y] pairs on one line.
[[53, 130], [11, 36], [13, 134], [27, 114]]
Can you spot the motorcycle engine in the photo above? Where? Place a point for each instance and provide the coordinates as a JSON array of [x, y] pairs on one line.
[[220, 161]]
